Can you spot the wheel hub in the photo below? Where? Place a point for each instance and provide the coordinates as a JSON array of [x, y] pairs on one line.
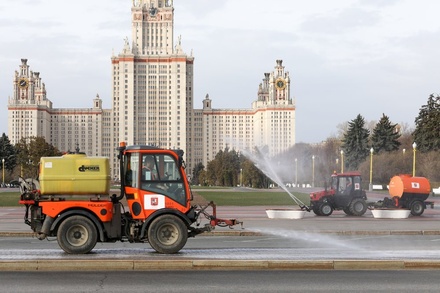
[[77, 235]]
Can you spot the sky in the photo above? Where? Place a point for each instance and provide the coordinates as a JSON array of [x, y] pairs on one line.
[[345, 57]]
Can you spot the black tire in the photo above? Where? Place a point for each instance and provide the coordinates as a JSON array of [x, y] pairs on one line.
[[358, 207], [325, 209], [315, 209], [347, 211], [167, 234], [417, 208], [77, 235]]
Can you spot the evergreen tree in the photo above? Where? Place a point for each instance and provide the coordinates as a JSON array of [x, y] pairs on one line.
[[385, 137], [196, 173], [8, 153], [427, 132], [355, 143]]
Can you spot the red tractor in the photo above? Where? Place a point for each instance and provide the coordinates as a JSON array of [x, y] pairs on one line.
[[345, 193]]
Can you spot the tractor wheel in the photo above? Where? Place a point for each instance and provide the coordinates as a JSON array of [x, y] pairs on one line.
[[417, 208], [325, 209], [358, 207], [347, 211], [316, 210], [167, 234], [77, 235]]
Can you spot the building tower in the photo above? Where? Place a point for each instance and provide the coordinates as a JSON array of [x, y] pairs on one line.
[[274, 119], [152, 82], [28, 109], [30, 114]]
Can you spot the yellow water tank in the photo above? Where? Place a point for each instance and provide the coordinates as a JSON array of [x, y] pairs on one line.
[[74, 174]]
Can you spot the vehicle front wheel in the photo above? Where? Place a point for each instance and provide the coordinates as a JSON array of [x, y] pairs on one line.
[[315, 209], [167, 234], [77, 235], [325, 209]]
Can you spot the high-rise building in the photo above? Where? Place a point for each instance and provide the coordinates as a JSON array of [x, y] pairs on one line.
[[152, 82], [152, 102]]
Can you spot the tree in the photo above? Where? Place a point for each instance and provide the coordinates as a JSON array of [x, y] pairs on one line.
[[252, 176], [224, 170], [427, 132], [7, 153], [385, 137], [196, 173], [355, 143], [29, 152]]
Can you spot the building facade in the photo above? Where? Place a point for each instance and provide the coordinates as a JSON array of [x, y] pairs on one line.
[[31, 113], [152, 102]]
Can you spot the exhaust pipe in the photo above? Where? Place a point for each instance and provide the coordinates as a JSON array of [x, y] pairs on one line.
[[45, 229]]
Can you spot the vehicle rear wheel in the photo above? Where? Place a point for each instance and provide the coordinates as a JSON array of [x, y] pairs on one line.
[[417, 208], [358, 207], [77, 235], [347, 211], [325, 209], [167, 234]]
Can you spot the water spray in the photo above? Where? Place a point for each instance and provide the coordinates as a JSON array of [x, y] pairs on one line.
[[262, 163]]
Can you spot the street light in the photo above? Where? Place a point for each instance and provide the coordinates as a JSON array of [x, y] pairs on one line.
[[371, 169], [3, 169], [241, 177], [296, 172], [414, 145], [313, 171], [342, 161]]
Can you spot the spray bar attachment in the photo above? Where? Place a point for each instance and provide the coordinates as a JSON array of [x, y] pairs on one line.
[[213, 220]]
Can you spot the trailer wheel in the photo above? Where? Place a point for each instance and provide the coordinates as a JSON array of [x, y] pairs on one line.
[[417, 208], [167, 234], [325, 209], [77, 235], [358, 207]]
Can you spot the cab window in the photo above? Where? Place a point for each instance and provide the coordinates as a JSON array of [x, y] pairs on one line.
[[160, 174]]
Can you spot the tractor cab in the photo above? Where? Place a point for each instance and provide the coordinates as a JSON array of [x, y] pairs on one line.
[[344, 193]]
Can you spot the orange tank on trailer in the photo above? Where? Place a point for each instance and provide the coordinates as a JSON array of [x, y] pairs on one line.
[[407, 184]]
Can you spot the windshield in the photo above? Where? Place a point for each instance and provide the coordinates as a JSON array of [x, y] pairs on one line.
[[155, 173]]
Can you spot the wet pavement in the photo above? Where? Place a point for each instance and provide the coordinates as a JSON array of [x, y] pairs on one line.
[[401, 243]]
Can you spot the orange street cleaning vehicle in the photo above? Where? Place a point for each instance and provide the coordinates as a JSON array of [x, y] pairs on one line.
[[71, 201]]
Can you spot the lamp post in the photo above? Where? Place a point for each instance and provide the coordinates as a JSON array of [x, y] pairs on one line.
[[342, 161], [414, 145], [313, 171], [296, 172], [3, 169], [371, 169], [241, 177]]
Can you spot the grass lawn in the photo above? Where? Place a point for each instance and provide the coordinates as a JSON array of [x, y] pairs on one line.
[[9, 199], [252, 198], [221, 198]]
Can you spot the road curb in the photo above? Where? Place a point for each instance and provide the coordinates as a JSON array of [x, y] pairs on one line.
[[168, 265]]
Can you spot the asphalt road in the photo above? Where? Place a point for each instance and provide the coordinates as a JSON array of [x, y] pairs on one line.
[[282, 245], [336, 242], [221, 281]]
